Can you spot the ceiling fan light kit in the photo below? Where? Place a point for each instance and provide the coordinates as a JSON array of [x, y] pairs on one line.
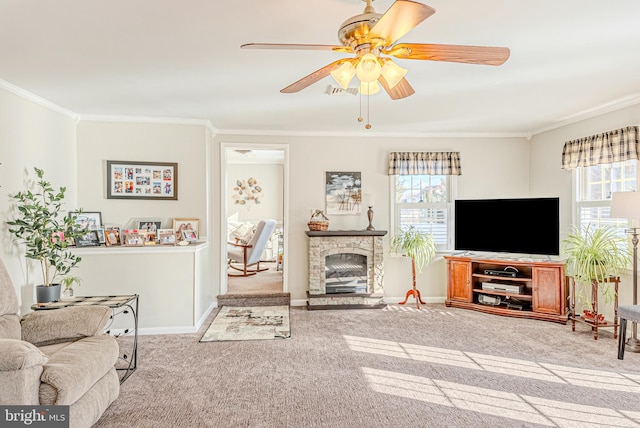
[[372, 37]]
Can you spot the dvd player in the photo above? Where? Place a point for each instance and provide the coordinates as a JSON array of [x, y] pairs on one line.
[[506, 288]]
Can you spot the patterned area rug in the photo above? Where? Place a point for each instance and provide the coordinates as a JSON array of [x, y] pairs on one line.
[[252, 323]]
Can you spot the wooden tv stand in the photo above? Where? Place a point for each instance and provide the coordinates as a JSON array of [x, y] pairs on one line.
[[542, 297]]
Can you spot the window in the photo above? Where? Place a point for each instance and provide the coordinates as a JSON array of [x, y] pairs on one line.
[[424, 201], [594, 187]]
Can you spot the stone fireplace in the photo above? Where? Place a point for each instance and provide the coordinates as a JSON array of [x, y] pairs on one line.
[[345, 269]]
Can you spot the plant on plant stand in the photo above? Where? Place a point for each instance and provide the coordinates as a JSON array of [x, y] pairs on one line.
[[45, 231], [421, 248], [595, 254]]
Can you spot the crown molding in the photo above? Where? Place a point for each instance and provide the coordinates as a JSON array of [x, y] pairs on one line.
[[29, 96], [374, 134], [142, 119], [608, 107]]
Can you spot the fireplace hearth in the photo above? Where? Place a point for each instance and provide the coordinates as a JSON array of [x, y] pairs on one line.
[[345, 269]]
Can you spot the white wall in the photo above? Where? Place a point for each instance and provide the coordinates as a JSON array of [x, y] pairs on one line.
[[547, 178], [149, 142], [491, 167], [270, 178], [31, 136]]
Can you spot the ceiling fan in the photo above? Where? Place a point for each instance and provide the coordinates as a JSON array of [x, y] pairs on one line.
[[373, 38]]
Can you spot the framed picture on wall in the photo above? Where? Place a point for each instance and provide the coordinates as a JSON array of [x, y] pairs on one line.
[[343, 193], [142, 180]]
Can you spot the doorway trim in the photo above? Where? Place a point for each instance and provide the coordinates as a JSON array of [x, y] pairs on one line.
[[224, 194]]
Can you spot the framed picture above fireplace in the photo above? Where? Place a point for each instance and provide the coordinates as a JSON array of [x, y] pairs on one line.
[[343, 193]]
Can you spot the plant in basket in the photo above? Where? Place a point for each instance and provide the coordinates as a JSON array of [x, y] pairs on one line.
[[319, 221]]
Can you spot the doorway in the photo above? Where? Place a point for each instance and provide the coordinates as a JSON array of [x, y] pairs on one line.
[[254, 180]]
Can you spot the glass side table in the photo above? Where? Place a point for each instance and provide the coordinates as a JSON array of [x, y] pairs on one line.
[[124, 306]]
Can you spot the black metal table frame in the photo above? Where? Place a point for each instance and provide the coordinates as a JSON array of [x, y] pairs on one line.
[[123, 307]]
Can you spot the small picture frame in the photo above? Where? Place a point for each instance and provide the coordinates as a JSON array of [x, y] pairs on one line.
[[87, 220], [133, 238], [112, 235], [166, 237], [182, 224], [190, 235], [150, 226], [101, 236], [149, 237], [90, 239]]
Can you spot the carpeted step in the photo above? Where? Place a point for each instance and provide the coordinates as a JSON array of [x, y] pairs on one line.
[[262, 299]]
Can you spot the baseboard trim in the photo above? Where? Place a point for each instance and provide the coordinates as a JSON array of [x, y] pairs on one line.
[[202, 319]]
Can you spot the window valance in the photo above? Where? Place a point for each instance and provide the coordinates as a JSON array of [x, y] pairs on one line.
[[427, 163], [614, 146]]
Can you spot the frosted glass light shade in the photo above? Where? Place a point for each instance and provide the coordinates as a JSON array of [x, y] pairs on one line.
[[343, 74], [368, 69], [393, 73], [369, 88]]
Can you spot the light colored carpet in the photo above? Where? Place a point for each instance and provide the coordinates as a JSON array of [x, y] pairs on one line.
[[440, 367], [263, 282], [253, 323]]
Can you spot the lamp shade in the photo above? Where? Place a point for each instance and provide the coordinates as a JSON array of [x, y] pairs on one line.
[[369, 199], [369, 88], [368, 69], [343, 74], [392, 73], [625, 205]]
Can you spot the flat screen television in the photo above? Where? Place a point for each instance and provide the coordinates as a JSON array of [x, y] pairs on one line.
[[523, 226]]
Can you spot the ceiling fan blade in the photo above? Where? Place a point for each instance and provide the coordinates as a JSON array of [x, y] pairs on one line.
[[291, 46], [486, 55], [401, 18], [313, 77], [402, 90]]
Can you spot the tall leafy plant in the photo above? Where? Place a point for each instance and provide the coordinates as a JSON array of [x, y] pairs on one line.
[[43, 229], [595, 253], [421, 248]]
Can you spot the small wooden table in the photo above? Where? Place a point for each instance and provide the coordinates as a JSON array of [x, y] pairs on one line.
[[123, 304], [595, 323]]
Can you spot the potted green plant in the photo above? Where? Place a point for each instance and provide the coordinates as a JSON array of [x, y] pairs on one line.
[[43, 229], [595, 253], [67, 282], [421, 248]]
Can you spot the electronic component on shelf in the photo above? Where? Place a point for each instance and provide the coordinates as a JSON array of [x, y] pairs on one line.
[[507, 272], [489, 300], [505, 288]]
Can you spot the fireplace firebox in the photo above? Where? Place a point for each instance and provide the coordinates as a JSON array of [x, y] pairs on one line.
[[345, 273]]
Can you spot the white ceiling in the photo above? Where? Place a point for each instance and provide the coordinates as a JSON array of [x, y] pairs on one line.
[[182, 59]]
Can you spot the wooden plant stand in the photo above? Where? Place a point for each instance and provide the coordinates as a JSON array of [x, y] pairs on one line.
[[414, 291]]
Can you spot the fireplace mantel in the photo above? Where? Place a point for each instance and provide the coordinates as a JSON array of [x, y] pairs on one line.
[[346, 233]]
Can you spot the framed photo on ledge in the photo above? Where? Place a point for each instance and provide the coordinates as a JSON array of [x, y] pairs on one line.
[[182, 224], [142, 180]]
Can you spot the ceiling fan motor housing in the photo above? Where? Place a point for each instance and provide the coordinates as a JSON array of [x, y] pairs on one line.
[[353, 31]]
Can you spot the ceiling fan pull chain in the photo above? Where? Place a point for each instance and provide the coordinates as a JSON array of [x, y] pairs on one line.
[[368, 125], [360, 119]]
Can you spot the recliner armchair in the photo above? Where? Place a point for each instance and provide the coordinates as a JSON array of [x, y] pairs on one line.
[[57, 357], [249, 254]]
